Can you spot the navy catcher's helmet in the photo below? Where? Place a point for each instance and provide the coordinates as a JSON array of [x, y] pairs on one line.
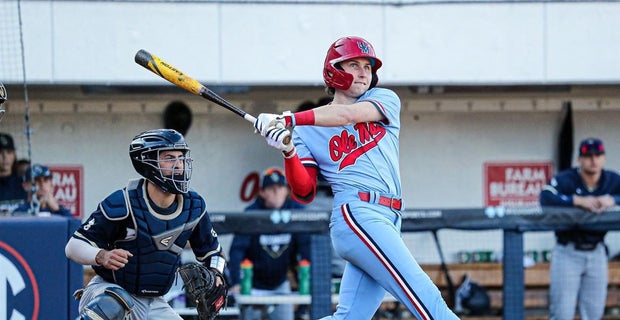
[[144, 152], [345, 49]]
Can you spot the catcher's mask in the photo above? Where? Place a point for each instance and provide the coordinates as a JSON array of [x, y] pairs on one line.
[[345, 49], [145, 150]]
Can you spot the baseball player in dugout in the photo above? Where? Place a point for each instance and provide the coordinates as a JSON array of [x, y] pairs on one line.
[[579, 263], [135, 237], [272, 255], [11, 192], [41, 200], [353, 142]]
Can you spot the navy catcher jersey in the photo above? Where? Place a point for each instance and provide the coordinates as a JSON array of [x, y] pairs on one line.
[[127, 219]]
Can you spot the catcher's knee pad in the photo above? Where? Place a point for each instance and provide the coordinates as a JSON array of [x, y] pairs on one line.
[[113, 304]]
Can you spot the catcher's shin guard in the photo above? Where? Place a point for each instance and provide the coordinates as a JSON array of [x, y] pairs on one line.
[[113, 304]]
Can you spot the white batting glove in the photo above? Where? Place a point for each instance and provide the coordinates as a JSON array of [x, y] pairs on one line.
[[266, 120], [275, 138]]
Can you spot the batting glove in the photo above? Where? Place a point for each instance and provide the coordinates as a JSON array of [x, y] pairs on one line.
[[275, 139], [266, 120]]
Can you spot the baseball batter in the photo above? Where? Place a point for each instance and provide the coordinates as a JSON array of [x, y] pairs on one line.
[[353, 142], [135, 237]]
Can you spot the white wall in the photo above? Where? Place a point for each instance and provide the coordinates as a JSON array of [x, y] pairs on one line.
[[220, 43]]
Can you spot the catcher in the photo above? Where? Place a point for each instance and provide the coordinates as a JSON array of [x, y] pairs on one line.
[[135, 237]]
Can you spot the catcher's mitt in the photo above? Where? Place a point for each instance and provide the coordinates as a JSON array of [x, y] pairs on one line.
[[200, 284]]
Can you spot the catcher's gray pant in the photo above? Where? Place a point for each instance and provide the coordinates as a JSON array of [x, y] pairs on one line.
[[154, 308], [578, 276]]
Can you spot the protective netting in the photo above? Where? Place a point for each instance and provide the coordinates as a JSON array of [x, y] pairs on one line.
[[10, 43], [13, 76]]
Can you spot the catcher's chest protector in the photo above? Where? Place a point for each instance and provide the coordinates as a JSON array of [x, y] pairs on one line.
[[156, 244]]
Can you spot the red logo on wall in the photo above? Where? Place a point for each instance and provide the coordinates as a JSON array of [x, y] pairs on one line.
[[250, 187], [513, 184], [69, 187]]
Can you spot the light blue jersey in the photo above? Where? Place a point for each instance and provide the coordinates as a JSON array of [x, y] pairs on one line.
[[357, 157]]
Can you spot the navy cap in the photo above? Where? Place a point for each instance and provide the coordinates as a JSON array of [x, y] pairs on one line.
[[6, 141], [591, 146], [38, 171], [273, 176]]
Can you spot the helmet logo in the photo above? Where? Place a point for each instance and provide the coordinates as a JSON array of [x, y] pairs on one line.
[[363, 47]]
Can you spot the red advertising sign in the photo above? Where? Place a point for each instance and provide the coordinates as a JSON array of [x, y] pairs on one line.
[[513, 184], [69, 187]]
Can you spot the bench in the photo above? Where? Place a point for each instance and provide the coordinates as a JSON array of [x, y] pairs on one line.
[[536, 295]]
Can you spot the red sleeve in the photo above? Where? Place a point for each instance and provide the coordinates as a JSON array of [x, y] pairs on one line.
[[301, 179]]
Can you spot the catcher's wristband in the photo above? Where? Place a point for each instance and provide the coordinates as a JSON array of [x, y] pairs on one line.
[[218, 263]]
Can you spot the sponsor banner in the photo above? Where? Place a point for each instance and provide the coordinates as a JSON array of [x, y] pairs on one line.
[[515, 184], [69, 187]]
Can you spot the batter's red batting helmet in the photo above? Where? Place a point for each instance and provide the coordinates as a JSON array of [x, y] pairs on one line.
[[344, 49]]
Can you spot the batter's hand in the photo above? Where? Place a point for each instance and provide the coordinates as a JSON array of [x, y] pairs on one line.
[[275, 138], [266, 120], [114, 259]]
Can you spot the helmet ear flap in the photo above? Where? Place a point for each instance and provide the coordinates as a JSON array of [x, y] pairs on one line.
[[336, 78]]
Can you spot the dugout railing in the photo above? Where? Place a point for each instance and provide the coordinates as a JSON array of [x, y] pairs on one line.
[[513, 221]]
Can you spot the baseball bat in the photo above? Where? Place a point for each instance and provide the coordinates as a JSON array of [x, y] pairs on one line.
[[177, 77]]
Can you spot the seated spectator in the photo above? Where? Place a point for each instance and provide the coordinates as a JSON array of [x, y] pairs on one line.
[[43, 202], [11, 192]]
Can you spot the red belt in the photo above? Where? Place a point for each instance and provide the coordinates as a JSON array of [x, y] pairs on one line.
[[393, 203]]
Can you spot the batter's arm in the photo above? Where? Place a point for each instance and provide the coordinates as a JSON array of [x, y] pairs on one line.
[[336, 115], [301, 179], [332, 115]]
